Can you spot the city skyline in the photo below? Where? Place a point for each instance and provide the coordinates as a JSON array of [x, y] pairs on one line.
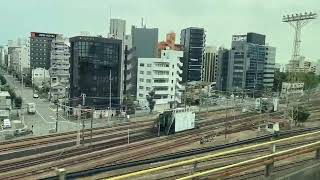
[[221, 20]]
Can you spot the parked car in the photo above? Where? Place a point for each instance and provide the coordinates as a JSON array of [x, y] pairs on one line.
[[35, 96], [6, 123]]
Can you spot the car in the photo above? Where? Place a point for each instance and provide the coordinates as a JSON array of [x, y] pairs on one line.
[[35, 96]]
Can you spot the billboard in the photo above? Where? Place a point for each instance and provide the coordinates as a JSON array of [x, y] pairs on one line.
[[48, 35]]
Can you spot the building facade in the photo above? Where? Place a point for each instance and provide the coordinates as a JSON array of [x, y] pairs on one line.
[[40, 77], [169, 43], [163, 76], [59, 68], [40, 49], [210, 65], [248, 65], [145, 41], [95, 65], [193, 40]]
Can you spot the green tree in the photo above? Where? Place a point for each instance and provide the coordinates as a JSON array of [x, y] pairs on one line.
[[150, 99], [279, 77], [129, 103], [3, 79], [299, 114], [18, 102]]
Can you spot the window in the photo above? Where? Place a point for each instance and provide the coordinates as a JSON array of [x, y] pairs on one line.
[[140, 87], [172, 66], [148, 80], [148, 72], [141, 64], [141, 72], [148, 65], [172, 89], [148, 88], [140, 95], [141, 80], [172, 73], [172, 81]]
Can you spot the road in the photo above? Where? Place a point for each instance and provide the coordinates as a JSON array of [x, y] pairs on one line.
[[45, 117]]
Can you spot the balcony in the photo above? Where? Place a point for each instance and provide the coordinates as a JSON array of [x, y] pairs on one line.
[[180, 64], [179, 78], [162, 92]]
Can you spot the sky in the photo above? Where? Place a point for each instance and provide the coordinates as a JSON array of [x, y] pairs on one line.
[[220, 18]]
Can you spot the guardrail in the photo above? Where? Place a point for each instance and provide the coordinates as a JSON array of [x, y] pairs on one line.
[[207, 157], [181, 154]]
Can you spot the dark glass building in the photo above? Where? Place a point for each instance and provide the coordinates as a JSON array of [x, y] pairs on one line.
[[91, 61], [193, 39], [40, 49], [145, 41]]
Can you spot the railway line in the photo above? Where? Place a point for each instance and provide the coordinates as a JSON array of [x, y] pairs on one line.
[[125, 153], [212, 163], [102, 154]]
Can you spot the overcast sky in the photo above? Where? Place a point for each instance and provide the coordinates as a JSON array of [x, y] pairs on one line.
[[220, 18]]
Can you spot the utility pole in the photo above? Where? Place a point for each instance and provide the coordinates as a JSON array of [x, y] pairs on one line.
[[57, 117], [92, 112], [109, 114], [128, 136], [78, 117]]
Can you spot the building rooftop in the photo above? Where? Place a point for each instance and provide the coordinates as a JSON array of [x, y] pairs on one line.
[[4, 94]]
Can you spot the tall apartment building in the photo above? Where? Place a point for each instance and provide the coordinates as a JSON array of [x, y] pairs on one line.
[[59, 68], [210, 64], [40, 49], [193, 39], [145, 41], [92, 60], [20, 60], [169, 43], [162, 75], [2, 55], [249, 64]]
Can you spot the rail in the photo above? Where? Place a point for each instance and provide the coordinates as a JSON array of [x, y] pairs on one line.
[[262, 160], [207, 157]]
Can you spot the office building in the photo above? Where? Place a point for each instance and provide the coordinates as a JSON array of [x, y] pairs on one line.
[[95, 65], [40, 49], [145, 41], [193, 40], [210, 64], [117, 28], [163, 76], [249, 64], [118, 31], [2, 55], [59, 68], [169, 43]]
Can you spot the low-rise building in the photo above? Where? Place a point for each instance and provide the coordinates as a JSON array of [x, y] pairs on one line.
[[40, 77], [163, 76], [291, 89], [5, 100]]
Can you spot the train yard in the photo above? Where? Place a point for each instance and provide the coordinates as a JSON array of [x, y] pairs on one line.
[[39, 157]]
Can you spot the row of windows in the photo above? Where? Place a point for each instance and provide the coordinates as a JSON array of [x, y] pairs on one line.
[[142, 65], [148, 72]]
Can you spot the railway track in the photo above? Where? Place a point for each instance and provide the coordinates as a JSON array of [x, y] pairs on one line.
[[64, 137], [216, 162]]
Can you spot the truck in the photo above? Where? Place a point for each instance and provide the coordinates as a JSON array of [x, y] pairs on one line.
[[31, 108]]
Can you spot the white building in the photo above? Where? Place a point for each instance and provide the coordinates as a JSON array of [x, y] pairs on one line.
[[291, 89], [5, 100], [40, 77], [20, 59], [59, 68], [269, 66], [161, 75]]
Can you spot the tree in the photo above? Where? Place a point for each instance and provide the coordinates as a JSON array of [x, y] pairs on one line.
[[3, 79], [150, 99], [130, 105], [18, 102], [279, 77], [299, 114]]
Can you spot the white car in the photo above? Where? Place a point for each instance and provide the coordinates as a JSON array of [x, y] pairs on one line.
[[35, 96]]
